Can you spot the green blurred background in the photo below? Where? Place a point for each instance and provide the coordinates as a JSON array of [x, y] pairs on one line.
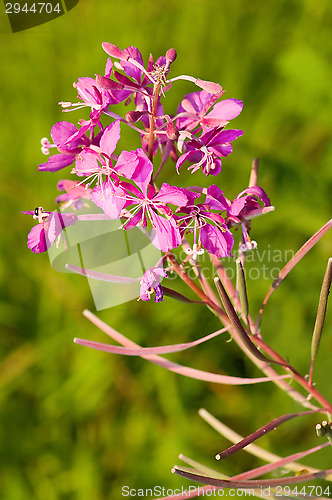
[[80, 424]]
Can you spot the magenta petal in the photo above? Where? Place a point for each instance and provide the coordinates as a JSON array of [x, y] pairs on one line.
[[87, 162], [143, 172], [216, 167], [78, 136], [133, 221], [226, 109], [236, 206], [62, 131], [44, 234], [130, 191], [74, 190], [171, 194], [86, 88], [110, 138], [191, 103], [56, 224], [259, 192], [217, 242], [212, 216], [137, 166], [191, 195], [92, 94], [184, 157], [131, 70], [196, 104], [215, 198], [57, 162], [166, 234], [126, 164], [37, 240], [225, 136], [151, 279], [108, 198], [108, 68], [221, 150]]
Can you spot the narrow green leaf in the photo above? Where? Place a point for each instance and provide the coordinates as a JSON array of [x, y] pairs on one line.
[[178, 296], [242, 288], [236, 323], [322, 306]]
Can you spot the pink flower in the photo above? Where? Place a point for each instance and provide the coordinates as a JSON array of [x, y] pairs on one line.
[[96, 162], [207, 150], [143, 204], [209, 228], [51, 224], [151, 283], [247, 204], [67, 140], [75, 192], [193, 111], [140, 203]]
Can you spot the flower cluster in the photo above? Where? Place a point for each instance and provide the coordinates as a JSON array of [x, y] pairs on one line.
[[123, 185]]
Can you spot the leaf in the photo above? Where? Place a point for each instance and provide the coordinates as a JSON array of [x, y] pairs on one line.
[[146, 351], [264, 469], [253, 483], [175, 367], [178, 296], [236, 323], [292, 263], [322, 306], [262, 431]]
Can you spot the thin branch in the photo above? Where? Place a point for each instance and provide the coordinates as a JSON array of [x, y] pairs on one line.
[[292, 263]]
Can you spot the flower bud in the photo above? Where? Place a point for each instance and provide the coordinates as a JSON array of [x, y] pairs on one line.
[[133, 116], [171, 55], [171, 130]]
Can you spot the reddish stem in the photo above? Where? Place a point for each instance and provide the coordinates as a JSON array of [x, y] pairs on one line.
[[153, 119], [183, 275], [301, 380]]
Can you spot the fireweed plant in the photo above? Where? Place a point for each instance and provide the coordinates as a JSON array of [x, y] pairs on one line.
[[124, 185]]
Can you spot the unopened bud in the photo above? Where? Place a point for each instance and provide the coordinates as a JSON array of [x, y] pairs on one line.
[[133, 116], [171, 131], [171, 55]]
